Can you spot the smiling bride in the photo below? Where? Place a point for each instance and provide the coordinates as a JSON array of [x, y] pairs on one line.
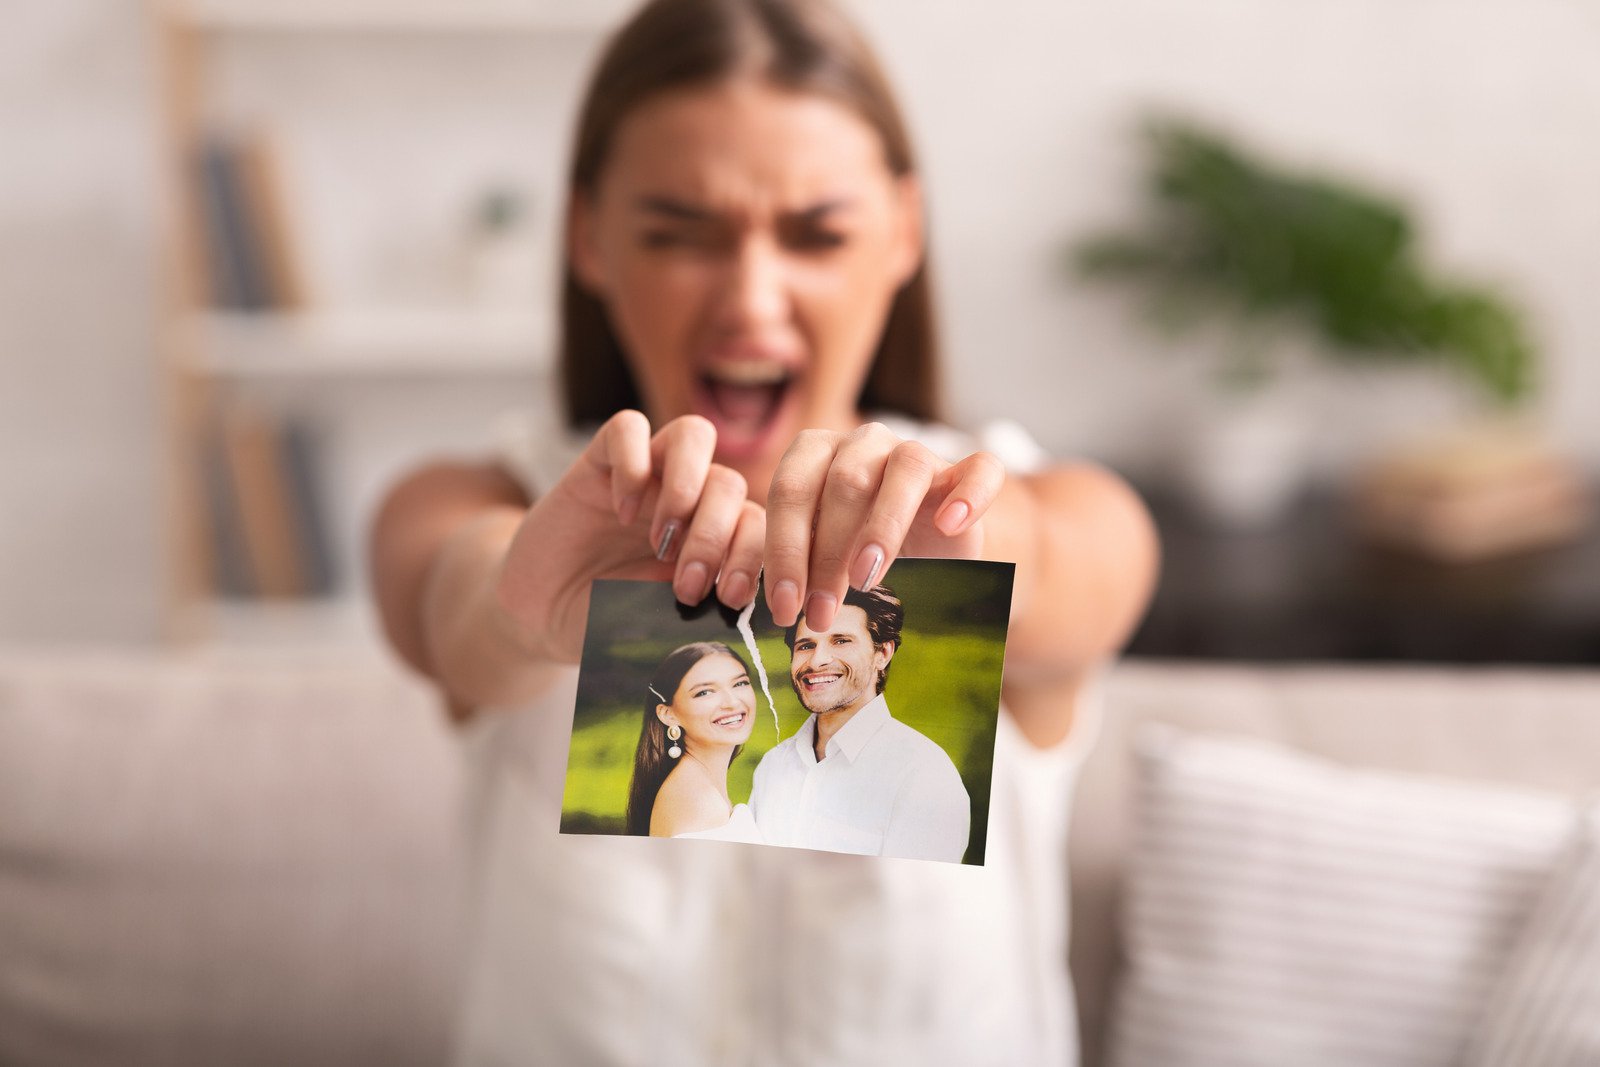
[[698, 712]]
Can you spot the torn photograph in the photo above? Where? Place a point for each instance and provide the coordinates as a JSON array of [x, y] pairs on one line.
[[875, 736]]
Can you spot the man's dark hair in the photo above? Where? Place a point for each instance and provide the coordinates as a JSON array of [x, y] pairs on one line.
[[885, 617]]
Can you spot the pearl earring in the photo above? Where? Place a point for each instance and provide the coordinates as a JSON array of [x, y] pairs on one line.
[[673, 733]]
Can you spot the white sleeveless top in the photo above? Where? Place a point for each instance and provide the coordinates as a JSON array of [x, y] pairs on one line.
[[640, 951]]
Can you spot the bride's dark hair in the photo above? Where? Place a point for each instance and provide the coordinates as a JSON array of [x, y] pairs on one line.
[[651, 764]]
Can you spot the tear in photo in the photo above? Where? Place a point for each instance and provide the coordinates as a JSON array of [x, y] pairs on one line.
[[873, 736]]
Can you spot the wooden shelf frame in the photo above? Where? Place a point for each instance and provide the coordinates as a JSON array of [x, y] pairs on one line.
[[375, 344], [405, 16], [204, 354]]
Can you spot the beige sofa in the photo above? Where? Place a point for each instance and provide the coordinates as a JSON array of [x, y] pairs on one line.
[[1537, 728], [224, 861], [258, 860]]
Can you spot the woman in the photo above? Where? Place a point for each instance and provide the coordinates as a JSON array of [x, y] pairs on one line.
[[746, 281], [698, 714]]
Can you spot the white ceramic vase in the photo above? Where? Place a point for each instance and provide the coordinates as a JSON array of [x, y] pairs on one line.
[[1246, 457]]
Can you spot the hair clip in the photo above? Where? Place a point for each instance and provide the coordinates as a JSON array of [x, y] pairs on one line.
[[657, 692]]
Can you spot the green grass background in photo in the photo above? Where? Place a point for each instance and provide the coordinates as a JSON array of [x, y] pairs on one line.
[[944, 681]]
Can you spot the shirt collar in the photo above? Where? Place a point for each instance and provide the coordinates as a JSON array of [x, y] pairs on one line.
[[854, 735]]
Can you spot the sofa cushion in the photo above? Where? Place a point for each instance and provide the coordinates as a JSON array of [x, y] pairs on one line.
[[245, 861], [1286, 909], [1545, 1008], [1527, 727]]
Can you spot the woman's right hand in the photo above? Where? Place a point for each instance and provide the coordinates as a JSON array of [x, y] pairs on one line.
[[633, 505]]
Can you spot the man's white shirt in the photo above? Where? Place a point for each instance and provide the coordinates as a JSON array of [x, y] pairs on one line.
[[882, 789]]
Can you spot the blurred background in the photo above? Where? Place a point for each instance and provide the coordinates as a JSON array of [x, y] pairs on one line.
[[1315, 276], [260, 257]]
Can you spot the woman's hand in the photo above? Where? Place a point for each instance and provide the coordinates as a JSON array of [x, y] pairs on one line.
[[633, 505], [843, 506]]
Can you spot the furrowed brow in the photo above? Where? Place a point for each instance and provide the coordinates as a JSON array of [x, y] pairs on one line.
[[816, 212], [677, 210]]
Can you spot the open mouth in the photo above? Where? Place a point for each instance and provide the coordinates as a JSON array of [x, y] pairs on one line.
[[731, 721], [743, 398]]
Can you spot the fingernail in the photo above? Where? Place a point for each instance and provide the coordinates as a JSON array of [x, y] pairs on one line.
[[736, 589], [693, 583], [628, 510], [669, 534], [784, 600], [868, 564], [951, 516], [820, 608]]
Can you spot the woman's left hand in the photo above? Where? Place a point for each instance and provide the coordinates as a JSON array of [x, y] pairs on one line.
[[843, 506]]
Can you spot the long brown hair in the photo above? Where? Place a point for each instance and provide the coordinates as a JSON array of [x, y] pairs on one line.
[[800, 45], [651, 764]]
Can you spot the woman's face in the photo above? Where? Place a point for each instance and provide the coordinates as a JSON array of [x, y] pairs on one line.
[[714, 703], [748, 243]]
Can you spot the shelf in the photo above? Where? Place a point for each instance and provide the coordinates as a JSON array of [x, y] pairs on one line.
[[1310, 589], [283, 625], [365, 344], [429, 16]]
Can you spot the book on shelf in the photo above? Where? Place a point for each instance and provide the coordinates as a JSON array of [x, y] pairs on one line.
[[269, 535], [230, 568], [302, 457], [249, 255]]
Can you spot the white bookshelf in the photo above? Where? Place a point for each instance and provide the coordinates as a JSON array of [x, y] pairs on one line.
[[365, 344], [407, 16], [344, 622], [383, 379]]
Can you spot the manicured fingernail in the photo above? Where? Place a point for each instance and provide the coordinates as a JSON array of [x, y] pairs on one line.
[[868, 564], [669, 534], [784, 600], [736, 589], [951, 516], [628, 510], [820, 608], [693, 583]]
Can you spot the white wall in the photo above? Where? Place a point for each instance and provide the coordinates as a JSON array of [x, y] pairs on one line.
[[78, 535], [1484, 113]]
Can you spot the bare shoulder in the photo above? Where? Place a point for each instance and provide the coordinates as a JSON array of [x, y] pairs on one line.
[[686, 805], [418, 514]]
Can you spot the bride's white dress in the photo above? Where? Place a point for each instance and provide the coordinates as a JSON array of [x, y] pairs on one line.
[[741, 826]]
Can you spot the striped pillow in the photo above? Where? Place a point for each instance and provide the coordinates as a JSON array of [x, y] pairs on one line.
[[1546, 1008], [1282, 909]]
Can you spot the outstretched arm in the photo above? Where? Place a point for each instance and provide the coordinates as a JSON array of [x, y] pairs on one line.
[[843, 506], [487, 594], [1087, 558], [436, 541]]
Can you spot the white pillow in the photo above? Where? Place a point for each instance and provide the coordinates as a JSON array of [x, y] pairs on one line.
[[1546, 1007], [1283, 909]]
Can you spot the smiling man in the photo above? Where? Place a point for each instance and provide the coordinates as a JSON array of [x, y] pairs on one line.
[[854, 778]]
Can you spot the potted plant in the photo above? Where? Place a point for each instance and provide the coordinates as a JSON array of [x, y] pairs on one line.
[[1256, 253]]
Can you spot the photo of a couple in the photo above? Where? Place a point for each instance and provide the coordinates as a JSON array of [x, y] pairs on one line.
[[857, 763]]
